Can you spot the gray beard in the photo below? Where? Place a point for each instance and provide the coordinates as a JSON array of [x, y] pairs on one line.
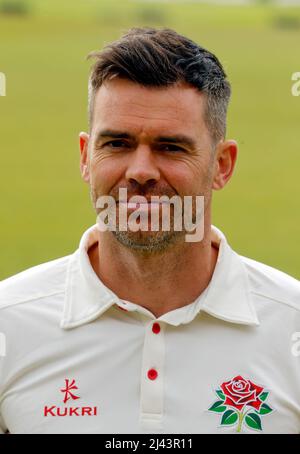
[[155, 242]]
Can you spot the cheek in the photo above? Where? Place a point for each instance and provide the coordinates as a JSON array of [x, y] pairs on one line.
[[188, 177], [104, 173]]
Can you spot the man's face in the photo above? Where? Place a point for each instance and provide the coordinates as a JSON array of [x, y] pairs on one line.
[[151, 141]]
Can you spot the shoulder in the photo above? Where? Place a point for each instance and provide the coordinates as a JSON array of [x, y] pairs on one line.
[[272, 284], [33, 283]]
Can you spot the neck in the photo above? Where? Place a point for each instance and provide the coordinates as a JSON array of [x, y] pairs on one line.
[[159, 282]]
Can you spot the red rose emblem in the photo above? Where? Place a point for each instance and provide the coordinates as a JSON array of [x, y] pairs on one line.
[[240, 392]]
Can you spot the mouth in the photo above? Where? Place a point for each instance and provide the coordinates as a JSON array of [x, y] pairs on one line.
[[141, 204], [136, 199]]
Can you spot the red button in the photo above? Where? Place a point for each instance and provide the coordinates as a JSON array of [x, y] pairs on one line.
[[152, 374], [156, 328]]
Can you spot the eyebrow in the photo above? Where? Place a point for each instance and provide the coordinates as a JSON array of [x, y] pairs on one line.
[[176, 139]]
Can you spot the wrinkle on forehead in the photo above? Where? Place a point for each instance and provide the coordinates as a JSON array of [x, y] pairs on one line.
[[123, 104]]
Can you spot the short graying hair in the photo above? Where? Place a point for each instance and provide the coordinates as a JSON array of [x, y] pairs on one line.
[[159, 58]]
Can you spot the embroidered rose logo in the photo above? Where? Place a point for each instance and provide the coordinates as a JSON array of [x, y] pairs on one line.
[[241, 402]]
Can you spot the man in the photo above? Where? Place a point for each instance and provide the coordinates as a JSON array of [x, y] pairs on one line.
[[142, 331]]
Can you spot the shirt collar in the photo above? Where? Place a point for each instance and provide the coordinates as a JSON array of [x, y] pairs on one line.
[[227, 296]]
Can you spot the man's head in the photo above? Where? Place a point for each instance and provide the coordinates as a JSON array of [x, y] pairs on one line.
[[157, 110], [161, 58]]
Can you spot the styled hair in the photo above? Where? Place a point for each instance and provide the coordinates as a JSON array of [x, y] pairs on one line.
[[160, 58]]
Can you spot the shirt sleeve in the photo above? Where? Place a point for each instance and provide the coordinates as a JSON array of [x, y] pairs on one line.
[[3, 429]]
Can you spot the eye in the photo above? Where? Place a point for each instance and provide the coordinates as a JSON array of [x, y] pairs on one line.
[[171, 148], [116, 144]]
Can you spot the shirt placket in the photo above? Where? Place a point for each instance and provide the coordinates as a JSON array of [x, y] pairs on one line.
[[152, 376]]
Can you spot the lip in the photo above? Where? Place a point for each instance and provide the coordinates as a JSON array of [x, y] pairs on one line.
[[140, 205], [141, 201]]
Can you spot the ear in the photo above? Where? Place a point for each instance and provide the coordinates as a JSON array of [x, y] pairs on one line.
[[84, 156], [225, 160]]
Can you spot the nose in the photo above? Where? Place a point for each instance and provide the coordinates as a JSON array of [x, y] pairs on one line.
[[142, 166]]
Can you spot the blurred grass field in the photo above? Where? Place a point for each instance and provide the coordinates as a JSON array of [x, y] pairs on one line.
[[45, 206]]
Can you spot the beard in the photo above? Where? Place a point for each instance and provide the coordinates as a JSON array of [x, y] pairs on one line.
[[147, 241]]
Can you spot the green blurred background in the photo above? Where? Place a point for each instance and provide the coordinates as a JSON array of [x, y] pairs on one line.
[[45, 206]]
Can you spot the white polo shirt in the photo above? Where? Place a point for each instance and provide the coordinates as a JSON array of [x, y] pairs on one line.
[[80, 360]]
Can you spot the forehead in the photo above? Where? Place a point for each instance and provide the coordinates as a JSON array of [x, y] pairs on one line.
[[124, 104]]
